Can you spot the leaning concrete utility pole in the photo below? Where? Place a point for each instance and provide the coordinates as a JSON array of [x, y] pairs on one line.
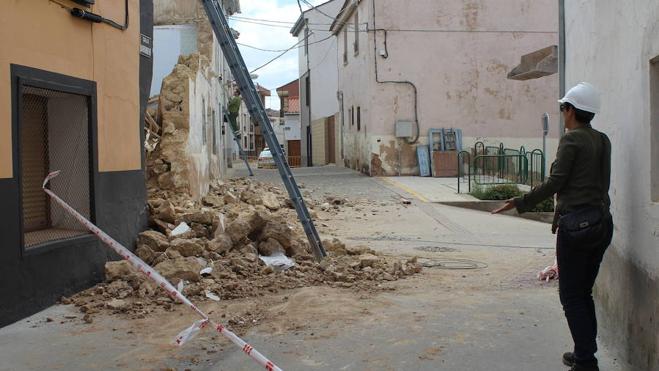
[[239, 70]]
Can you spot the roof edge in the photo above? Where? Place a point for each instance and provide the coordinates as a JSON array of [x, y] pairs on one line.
[[346, 11], [297, 27]]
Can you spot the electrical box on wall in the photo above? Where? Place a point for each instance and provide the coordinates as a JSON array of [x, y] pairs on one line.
[[85, 2], [404, 129]]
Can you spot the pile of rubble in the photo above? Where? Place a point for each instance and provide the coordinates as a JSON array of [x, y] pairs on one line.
[[217, 249]]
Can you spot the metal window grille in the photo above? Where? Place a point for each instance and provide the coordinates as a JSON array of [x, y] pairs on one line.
[[54, 135]]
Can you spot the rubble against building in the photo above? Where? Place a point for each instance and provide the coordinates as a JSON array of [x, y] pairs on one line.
[[230, 229]]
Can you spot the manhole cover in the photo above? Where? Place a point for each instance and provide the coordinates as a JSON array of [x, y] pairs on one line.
[[436, 249]]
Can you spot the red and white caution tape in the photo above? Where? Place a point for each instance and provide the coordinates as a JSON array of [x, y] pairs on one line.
[[549, 273], [151, 273]]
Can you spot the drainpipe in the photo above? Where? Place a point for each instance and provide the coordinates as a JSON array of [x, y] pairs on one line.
[[339, 96], [561, 57]]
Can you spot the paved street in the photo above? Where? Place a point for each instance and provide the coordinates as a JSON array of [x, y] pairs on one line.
[[476, 306]]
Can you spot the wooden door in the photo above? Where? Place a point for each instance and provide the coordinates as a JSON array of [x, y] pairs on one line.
[[294, 153]]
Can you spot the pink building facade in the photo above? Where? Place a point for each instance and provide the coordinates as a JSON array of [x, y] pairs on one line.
[[441, 65]]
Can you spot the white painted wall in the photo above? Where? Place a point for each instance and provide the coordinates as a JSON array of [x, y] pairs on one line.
[[460, 74], [321, 60], [292, 127], [610, 44], [279, 129], [631, 32], [169, 42]]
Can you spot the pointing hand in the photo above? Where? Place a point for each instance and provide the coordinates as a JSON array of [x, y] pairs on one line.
[[509, 205]]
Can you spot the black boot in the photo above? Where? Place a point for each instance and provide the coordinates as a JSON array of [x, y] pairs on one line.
[[568, 359], [588, 367]]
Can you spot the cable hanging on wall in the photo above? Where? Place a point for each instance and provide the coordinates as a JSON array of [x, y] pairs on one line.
[[95, 18]]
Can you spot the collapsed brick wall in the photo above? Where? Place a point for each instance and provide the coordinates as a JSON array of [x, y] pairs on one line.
[[168, 166]]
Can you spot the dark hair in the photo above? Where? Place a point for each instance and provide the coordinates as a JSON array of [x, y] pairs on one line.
[[582, 116]]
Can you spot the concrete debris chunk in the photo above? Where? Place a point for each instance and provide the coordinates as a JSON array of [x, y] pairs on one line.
[[165, 212], [187, 247], [156, 241], [120, 270], [187, 268], [181, 229], [117, 304], [201, 217], [368, 260], [270, 247], [271, 201], [220, 244]]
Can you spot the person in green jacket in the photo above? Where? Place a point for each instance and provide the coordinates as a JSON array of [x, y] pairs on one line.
[[580, 178], [234, 109]]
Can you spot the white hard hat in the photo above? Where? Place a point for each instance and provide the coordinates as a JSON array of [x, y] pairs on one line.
[[584, 96]]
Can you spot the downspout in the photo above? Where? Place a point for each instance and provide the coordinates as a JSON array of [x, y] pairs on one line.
[[309, 148], [561, 58], [405, 82]]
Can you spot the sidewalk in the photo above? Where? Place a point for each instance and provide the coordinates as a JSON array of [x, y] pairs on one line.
[[428, 189]]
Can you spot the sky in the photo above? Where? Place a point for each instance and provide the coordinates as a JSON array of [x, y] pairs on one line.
[[284, 69]]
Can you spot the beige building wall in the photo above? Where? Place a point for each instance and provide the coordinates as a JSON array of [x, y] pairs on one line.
[[457, 54], [63, 44], [318, 138]]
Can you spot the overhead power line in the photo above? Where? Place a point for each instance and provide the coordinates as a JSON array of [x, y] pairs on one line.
[[262, 22], [234, 17], [276, 25], [288, 50], [318, 10]]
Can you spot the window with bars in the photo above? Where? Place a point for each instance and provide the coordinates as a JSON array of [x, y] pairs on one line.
[[53, 131]]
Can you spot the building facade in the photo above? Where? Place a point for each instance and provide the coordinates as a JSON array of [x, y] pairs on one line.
[[627, 36], [259, 139], [289, 97], [318, 78], [439, 65], [194, 84], [72, 98]]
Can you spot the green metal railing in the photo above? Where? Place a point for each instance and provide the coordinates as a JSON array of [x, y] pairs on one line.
[[494, 165], [536, 167]]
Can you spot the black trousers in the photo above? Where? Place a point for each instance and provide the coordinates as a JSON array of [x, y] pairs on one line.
[[578, 267]]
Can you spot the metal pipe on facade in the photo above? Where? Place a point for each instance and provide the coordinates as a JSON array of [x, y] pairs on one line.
[[404, 82]]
